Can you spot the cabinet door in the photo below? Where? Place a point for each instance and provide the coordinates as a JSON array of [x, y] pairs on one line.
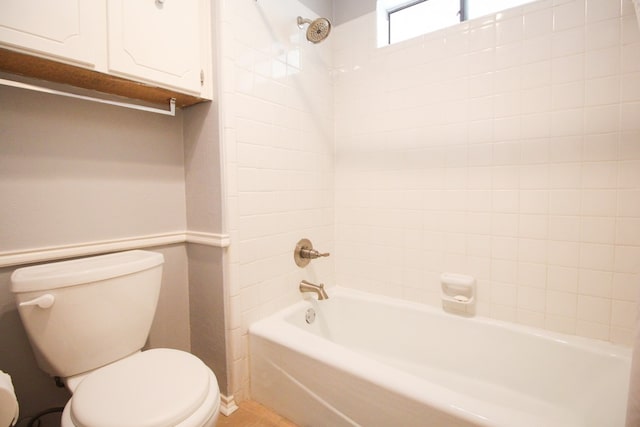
[[71, 31], [157, 41]]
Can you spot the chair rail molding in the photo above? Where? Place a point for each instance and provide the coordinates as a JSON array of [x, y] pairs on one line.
[[50, 253]]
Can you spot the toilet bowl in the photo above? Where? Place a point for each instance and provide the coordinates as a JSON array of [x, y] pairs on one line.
[[88, 320], [179, 390]]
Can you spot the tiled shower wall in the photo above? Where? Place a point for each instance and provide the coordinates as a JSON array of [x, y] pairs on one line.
[[507, 148], [276, 99]]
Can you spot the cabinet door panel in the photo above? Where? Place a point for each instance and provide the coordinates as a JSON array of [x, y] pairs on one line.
[[68, 30], [157, 41]]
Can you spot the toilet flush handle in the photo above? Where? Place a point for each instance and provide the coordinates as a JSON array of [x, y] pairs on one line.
[[43, 301]]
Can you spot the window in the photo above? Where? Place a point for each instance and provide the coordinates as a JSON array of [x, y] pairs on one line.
[[400, 20]]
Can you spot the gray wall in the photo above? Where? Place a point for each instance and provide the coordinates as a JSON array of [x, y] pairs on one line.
[[346, 10], [340, 11], [72, 171], [75, 172], [204, 214]]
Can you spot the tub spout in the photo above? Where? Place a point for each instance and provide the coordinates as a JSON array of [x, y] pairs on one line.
[[317, 289]]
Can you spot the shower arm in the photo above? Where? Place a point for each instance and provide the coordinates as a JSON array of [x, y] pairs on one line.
[[302, 21]]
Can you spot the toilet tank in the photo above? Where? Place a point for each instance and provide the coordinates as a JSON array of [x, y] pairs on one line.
[[102, 308]]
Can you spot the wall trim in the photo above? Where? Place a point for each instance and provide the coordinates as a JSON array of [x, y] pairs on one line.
[[209, 239], [227, 405], [27, 256]]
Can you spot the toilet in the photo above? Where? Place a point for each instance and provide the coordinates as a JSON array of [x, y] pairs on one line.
[[87, 321]]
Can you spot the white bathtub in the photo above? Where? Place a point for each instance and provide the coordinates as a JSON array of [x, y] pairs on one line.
[[373, 361]]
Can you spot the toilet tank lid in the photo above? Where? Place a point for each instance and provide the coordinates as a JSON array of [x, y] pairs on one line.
[[83, 270]]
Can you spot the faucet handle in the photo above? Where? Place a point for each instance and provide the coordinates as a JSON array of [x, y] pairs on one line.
[[304, 252], [312, 253]]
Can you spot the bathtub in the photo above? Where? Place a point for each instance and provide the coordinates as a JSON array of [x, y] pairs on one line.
[[368, 360]]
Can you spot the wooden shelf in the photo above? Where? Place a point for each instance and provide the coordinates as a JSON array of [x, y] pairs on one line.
[[45, 69]]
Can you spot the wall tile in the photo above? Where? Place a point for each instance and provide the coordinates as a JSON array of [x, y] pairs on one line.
[[524, 155]]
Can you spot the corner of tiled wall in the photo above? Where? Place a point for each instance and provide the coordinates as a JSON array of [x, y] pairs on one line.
[[277, 115]]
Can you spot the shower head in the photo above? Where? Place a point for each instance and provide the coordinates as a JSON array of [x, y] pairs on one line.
[[318, 30]]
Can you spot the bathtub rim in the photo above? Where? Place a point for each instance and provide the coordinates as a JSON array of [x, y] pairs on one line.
[[582, 343]]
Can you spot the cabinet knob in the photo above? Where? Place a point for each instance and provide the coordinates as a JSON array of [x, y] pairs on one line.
[[159, 3]]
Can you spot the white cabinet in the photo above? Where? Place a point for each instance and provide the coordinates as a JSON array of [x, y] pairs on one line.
[[65, 30], [156, 39], [163, 43], [159, 40]]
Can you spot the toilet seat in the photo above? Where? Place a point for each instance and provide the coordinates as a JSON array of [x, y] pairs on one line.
[[154, 388]]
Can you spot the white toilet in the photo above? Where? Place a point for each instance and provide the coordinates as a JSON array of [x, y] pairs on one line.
[[87, 320]]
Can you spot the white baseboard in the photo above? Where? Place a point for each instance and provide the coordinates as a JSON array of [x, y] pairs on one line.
[[227, 405]]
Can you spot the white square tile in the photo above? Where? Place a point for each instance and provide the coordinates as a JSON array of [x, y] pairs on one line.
[[604, 90], [630, 116], [567, 122], [598, 229], [595, 283], [535, 126], [598, 10], [563, 279], [564, 228], [506, 153], [536, 100], [603, 34], [630, 30], [509, 30], [594, 330], [531, 298], [563, 253], [568, 15], [600, 175], [568, 42], [534, 201], [602, 62], [563, 324], [503, 294], [596, 256], [534, 74], [628, 231], [630, 87], [534, 176], [564, 202], [562, 303], [504, 248], [626, 259], [532, 250], [533, 226], [598, 202], [532, 274], [504, 224], [565, 175], [603, 119], [629, 203], [538, 23], [505, 177], [623, 314], [536, 49], [599, 147], [531, 318], [626, 287], [505, 201], [630, 58], [568, 95], [566, 149], [594, 309], [568, 69]]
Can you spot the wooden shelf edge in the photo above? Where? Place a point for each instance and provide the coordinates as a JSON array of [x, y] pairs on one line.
[[57, 72]]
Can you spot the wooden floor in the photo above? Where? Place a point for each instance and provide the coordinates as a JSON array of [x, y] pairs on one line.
[[253, 414]]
